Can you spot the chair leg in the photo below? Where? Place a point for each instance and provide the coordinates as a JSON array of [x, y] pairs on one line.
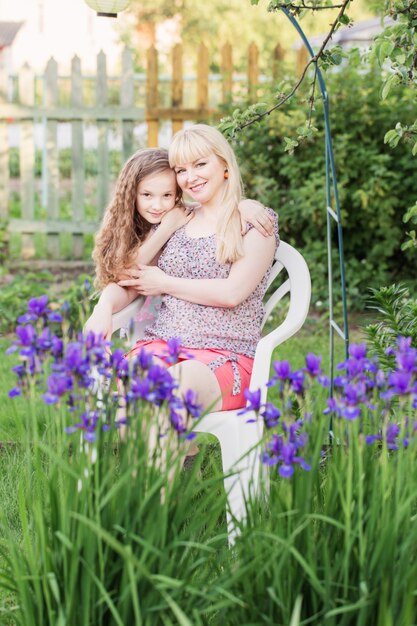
[[241, 467]]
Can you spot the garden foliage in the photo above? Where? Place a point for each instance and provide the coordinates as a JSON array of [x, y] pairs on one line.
[[376, 183], [107, 533]]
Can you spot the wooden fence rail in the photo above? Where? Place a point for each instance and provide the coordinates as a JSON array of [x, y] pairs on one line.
[[44, 210]]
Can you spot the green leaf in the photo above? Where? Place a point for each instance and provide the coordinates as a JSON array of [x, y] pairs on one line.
[[344, 19], [53, 586], [410, 213], [389, 84], [384, 50], [296, 614], [390, 135]]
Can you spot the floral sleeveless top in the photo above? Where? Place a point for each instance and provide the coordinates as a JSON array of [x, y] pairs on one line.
[[236, 329]]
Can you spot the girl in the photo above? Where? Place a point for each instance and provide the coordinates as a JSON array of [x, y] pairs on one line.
[[146, 195], [211, 277]]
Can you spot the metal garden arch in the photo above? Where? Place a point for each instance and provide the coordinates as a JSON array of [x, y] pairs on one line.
[[333, 215]]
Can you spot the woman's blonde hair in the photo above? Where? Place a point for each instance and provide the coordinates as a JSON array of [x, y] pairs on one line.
[[199, 141], [122, 229]]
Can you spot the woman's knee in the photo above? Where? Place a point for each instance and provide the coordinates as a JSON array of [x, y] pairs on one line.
[[199, 378]]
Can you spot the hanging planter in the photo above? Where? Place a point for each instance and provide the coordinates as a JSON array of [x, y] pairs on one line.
[[108, 8]]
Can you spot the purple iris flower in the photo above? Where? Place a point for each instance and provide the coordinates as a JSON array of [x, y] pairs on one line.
[[253, 400], [88, 425], [54, 316], [191, 405], [313, 364], [282, 451], [391, 437], [26, 334], [74, 357], [143, 359], [380, 378], [174, 351], [37, 307], [177, 422], [57, 386], [297, 381], [332, 406], [19, 370], [270, 414], [407, 360], [358, 351], [404, 344], [392, 432], [282, 370], [157, 387], [350, 412], [400, 382]]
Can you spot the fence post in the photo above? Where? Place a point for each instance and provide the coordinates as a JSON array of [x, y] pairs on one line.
[[77, 158], [102, 127], [127, 99], [227, 73], [253, 71], [27, 158], [4, 142], [51, 101], [202, 77], [152, 96], [177, 85], [278, 54], [301, 60]]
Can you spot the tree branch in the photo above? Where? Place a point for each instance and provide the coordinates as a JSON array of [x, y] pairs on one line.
[[307, 7], [312, 61]]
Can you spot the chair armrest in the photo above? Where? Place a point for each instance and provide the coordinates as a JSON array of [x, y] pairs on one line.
[[263, 354], [124, 320]]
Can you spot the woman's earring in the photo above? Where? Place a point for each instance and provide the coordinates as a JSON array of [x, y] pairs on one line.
[[226, 174]]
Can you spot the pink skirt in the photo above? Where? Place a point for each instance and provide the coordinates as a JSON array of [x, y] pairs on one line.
[[233, 371]]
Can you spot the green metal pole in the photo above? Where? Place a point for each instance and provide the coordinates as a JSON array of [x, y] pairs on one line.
[[333, 216]]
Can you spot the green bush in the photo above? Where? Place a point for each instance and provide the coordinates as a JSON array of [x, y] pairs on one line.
[[396, 315], [376, 184]]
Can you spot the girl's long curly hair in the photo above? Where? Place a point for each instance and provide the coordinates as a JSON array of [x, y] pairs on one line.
[[123, 230]]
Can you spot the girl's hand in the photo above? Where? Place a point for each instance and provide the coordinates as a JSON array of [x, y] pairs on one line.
[[176, 217], [253, 212], [192, 206], [148, 280]]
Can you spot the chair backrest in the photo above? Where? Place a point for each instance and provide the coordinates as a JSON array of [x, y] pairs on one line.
[[297, 286]]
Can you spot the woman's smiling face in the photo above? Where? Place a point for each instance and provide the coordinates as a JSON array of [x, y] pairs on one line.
[[203, 179]]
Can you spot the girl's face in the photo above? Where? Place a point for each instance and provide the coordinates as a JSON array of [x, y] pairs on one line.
[[203, 179], [156, 195]]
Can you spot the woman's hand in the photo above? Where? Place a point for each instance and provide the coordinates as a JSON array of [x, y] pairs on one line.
[[253, 212], [148, 280]]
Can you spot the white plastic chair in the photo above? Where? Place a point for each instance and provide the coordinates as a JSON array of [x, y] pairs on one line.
[[239, 440]]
